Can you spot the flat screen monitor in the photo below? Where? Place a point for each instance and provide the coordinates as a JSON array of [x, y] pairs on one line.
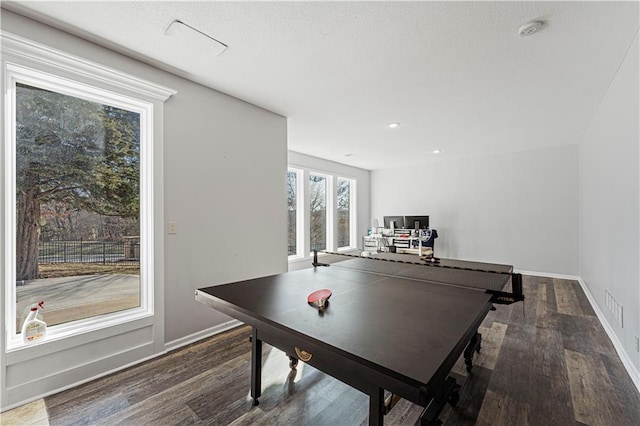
[[416, 222], [398, 222]]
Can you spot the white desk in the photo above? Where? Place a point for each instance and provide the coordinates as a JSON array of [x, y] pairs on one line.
[[402, 244]]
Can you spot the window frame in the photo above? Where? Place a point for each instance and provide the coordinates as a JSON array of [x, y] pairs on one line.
[[304, 214], [299, 188], [329, 208], [37, 65], [353, 234]]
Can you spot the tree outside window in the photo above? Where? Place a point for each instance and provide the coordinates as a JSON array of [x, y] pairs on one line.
[[77, 192], [292, 211], [318, 211], [344, 212]]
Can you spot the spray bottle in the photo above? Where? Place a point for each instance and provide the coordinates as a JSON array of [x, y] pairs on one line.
[[34, 329]]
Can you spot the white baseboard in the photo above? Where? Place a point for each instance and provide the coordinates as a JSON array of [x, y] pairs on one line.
[[549, 275], [617, 344], [192, 338]]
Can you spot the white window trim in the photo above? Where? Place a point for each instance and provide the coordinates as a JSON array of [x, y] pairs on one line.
[[353, 219], [42, 66]]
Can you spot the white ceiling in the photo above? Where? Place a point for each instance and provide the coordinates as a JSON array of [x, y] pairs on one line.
[[456, 75]]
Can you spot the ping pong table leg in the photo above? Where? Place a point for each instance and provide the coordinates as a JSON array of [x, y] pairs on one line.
[[376, 406], [474, 346], [447, 392], [256, 366]]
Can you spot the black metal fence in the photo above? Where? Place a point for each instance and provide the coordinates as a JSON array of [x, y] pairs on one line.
[[123, 252]]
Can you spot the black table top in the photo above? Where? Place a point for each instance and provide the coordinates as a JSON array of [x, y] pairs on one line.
[[396, 324]]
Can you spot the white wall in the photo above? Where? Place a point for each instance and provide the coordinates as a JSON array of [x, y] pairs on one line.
[[519, 208], [363, 196], [224, 183], [609, 203]]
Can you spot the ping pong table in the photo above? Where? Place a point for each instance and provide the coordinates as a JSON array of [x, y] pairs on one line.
[[390, 325]]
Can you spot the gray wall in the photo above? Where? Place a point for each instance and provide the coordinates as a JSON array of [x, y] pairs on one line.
[[225, 177], [609, 204], [520, 208], [224, 182]]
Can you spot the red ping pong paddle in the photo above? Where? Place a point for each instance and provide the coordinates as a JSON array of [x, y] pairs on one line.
[[318, 298]]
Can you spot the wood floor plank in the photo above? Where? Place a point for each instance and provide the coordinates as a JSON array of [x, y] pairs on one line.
[[492, 338], [566, 298], [404, 413], [584, 334], [546, 312], [542, 305], [552, 306], [348, 407], [551, 402], [89, 412], [625, 395], [221, 403], [582, 298], [501, 410], [513, 371], [33, 413], [524, 315], [590, 388]]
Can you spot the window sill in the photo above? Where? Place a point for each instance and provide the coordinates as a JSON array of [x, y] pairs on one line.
[[90, 329], [299, 259]]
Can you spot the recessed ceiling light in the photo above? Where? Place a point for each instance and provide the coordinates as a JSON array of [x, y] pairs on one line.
[[394, 124], [437, 151], [530, 28], [349, 155]]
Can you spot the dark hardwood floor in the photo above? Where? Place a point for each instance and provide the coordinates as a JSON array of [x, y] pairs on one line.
[[552, 364]]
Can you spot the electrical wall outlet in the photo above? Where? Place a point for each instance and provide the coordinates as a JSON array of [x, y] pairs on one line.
[[172, 227]]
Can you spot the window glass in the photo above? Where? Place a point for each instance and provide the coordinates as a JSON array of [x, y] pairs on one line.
[[344, 212], [292, 211], [318, 211], [77, 206]]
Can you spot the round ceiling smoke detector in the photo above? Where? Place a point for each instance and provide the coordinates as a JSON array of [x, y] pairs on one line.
[[530, 28]]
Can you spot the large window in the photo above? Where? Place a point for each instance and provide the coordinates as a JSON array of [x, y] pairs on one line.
[[78, 192], [77, 205], [318, 211], [344, 212], [293, 209], [321, 212]]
